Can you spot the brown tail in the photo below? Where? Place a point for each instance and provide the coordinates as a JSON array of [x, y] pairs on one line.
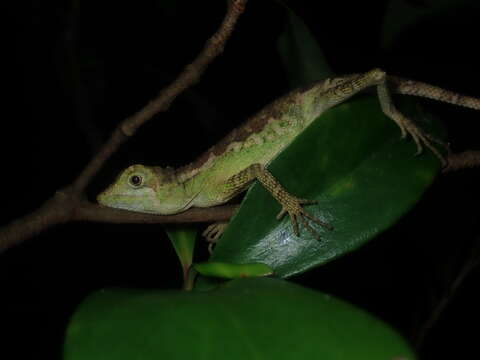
[[417, 88]]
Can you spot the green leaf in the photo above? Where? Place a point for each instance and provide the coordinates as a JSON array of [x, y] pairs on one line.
[[364, 177], [301, 56], [258, 318], [183, 241]]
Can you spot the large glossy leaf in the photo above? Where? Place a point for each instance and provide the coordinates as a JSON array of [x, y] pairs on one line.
[[352, 161], [244, 319]]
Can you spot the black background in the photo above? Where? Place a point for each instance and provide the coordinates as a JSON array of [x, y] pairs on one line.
[[76, 68]]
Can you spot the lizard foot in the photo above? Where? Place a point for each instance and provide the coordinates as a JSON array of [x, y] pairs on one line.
[[293, 206], [213, 232], [422, 139]]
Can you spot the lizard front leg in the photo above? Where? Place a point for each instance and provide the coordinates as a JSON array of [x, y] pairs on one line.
[[290, 204]]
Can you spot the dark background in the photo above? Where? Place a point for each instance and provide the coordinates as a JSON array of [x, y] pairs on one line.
[[76, 68]]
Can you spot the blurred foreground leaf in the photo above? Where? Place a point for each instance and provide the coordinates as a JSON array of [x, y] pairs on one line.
[[257, 318]]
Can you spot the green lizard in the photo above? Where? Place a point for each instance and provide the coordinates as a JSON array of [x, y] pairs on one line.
[[230, 167]]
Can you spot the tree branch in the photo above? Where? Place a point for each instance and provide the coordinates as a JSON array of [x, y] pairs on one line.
[[92, 212], [69, 204], [464, 160]]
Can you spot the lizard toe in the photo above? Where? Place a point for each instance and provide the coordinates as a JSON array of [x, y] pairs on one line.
[[281, 214]]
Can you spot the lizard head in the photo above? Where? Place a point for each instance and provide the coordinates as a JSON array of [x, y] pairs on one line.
[[145, 189]]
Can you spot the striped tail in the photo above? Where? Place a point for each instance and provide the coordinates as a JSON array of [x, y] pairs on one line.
[[417, 88]]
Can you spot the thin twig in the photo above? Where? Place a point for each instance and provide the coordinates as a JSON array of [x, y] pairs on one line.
[[69, 204], [469, 265], [464, 160]]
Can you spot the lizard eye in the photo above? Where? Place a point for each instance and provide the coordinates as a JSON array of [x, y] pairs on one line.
[[135, 181]]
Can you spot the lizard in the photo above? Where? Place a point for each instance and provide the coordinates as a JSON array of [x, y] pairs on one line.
[[242, 157]]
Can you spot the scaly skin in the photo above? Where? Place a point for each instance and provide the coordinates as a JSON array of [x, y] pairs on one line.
[[230, 167]]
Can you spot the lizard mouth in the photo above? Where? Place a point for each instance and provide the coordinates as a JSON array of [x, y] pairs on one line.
[[128, 201], [118, 201], [101, 198], [124, 202]]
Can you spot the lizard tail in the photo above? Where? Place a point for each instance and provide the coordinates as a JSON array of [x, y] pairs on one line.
[[416, 88]]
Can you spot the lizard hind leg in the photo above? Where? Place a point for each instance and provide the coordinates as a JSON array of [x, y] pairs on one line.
[[407, 126]]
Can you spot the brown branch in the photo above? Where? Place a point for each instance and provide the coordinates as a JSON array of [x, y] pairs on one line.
[[96, 213], [69, 204], [65, 207], [464, 160], [49, 214]]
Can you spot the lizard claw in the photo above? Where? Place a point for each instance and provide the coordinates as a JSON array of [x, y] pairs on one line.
[[297, 213], [281, 214], [422, 139], [402, 130], [213, 232]]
